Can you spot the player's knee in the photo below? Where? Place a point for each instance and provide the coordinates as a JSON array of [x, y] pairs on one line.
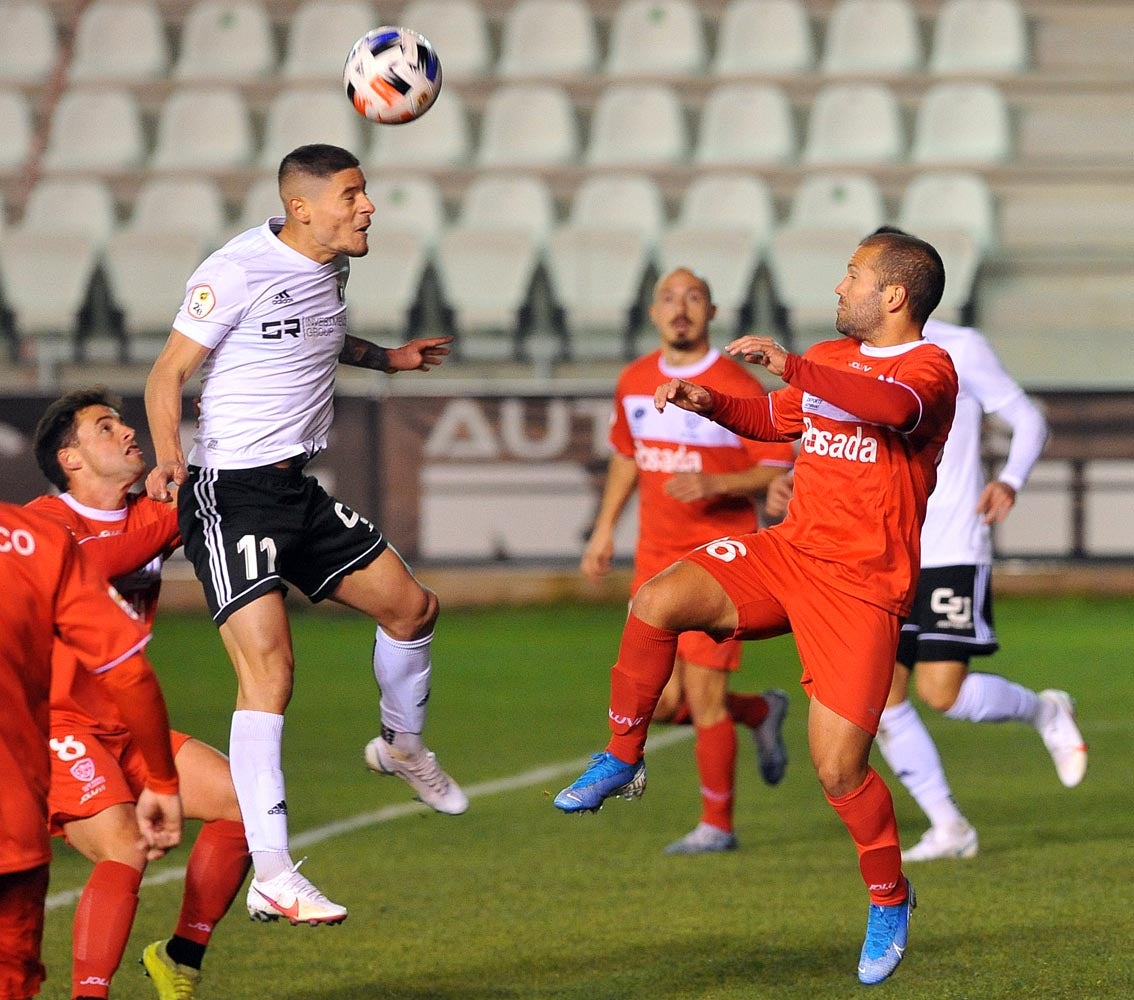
[[838, 779], [652, 605], [416, 617], [938, 696]]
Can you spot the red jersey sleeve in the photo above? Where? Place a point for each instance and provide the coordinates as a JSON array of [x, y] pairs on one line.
[[117, 555]]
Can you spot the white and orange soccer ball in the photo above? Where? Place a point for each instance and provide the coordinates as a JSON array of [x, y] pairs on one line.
[[392, 75]]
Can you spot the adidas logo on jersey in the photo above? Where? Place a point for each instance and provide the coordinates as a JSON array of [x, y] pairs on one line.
[[282, 299], [279, 809], [853, 447]]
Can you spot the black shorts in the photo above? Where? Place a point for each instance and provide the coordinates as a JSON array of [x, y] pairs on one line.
[[247, 530], [951, 618]]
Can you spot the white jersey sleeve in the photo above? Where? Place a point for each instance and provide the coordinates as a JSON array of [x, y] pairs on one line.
[[954, 534], [998, 393], [216, 301]]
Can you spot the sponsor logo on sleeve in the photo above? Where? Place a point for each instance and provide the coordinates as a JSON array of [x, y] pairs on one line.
[[201, 301]]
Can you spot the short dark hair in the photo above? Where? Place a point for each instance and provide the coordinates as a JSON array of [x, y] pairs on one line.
[[912, 263], [56, 429], [317, 160]]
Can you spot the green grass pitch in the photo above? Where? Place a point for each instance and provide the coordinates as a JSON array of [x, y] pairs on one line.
[[514, 901]]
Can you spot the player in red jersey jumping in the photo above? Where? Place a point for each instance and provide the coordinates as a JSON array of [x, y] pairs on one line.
[[872, 412]]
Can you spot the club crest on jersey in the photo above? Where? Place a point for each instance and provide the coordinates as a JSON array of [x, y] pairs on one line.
[[856, 447], [83, 770], [201, 301]]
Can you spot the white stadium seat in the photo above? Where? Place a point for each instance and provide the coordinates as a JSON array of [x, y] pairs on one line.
[[979, 37], [319, 36], [548, 39], [96, 130], [746, 124], [119, 41], [854, 124], [637, 124], [182, 144], [528, 125], [226, 41], [656, 38], [872, 38], [764, 36]]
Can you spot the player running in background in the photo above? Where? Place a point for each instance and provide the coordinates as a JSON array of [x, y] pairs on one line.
[[51, 597], [696, 481], [872, 413], [952, 618], [84, 448], [264, 320]]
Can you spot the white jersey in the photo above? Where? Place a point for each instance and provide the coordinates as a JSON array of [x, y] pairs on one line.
[[953, 533], [274, 322]]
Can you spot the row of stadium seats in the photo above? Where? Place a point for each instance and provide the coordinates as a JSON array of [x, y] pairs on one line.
[[488, 264], [103, 130], [235, 39]]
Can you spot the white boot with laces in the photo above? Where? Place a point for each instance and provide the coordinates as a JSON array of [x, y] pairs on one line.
[[421, 772]]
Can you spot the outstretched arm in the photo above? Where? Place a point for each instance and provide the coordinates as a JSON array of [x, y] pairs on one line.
[[178, 360], [417, 355], [890, 404]]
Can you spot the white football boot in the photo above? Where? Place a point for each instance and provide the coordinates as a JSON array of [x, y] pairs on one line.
[[421, 772], [293, 897], [955, 841], [1060, 734]]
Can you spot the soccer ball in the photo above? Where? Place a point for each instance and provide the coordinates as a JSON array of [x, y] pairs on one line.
[[392, 75]]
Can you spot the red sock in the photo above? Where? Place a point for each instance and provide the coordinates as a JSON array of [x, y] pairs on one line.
[[645, 661], [102, 925], [715, 751], [868, 813], [214, 874], [682, 716], [747, 709]]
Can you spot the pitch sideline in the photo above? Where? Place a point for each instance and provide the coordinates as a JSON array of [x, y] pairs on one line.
[[386, 814]]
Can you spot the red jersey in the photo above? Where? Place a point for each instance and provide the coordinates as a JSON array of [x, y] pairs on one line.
[[50, 592], [678, 441], [872, 423], [148, 531]]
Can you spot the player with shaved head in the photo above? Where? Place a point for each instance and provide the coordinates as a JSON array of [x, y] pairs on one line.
[[264, 323], [695, 482]]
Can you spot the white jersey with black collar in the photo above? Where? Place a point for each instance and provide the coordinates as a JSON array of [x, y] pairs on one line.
[[274, 321], [953, 533]]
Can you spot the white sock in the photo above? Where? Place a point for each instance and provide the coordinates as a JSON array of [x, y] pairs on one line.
[[908, 748], [254, 760], [992, 698], [402, 670]]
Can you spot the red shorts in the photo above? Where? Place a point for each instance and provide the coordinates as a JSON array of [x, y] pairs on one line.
[[92, 770], [846, 645], [22, 895]]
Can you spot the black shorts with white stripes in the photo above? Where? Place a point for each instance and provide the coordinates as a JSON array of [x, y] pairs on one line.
[[247, 530], [951, 618]]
